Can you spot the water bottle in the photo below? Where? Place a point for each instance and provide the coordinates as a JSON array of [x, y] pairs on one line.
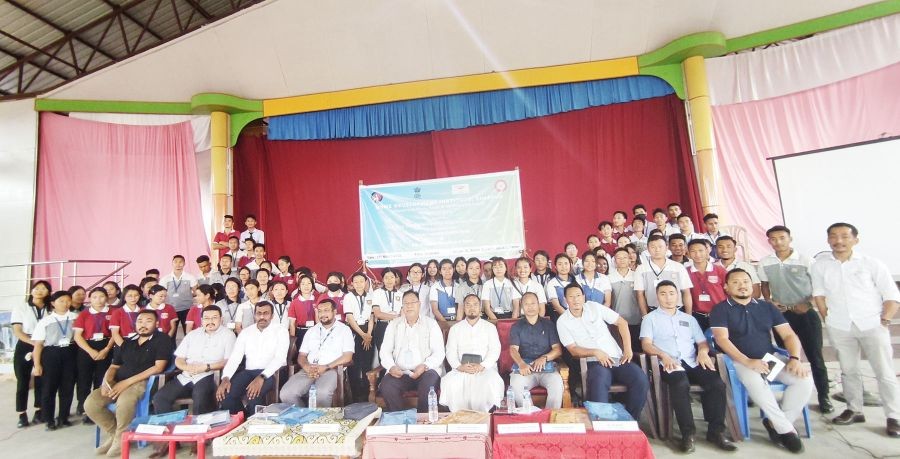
[[312, 396], [510, 401], [526, 400], [432, 406]]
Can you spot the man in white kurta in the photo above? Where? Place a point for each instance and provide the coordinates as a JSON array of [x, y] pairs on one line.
[[472, 386]]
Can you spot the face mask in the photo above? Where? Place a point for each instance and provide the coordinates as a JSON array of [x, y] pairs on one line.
[[334, 287]]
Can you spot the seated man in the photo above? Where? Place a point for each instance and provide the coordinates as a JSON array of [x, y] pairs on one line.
[[325, 346], [143, 355], [583, 330], [413, 353], [742, 327], [473, 348], [265, 349], [533, 342], [671, 335]]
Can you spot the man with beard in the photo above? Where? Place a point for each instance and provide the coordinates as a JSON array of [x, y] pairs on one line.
[[742, 327], [325, 346], [473, 348], [143, 355], [265, 348]]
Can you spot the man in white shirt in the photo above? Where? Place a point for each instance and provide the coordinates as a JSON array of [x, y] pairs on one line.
[[583, 330], [726, 249], [858, 298], [201, 353], [413, 353], [473, 348], [252, 232], [265, 349], [686, 228], [325, 346], [205, 268], [712, 234], [656, 270]]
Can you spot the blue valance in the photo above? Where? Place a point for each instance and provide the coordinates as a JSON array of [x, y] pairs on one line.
[[462, 110]]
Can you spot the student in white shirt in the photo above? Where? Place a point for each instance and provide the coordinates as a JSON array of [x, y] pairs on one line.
[[443, 301], [596, 286], [712, 232], [498, 296], [542, 272], [264, 348], [386, 303], [472, 283], [252, 232], [281, 303], [358, 313], [557, 284], [525, 283], [54, 359], [325, 347], [24, 318], [572, 251], [432, 273], [246, 311], [857, 297], [661, 219], [726, 248], [230, 306], [416, 284], [658, 269], [686, 227]]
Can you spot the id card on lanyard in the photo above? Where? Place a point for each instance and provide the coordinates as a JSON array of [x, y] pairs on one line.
[[64, 333], [100, 326]]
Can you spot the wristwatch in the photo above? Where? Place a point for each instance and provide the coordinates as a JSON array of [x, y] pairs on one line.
[[794, 357], [885, 322], [208, 368]]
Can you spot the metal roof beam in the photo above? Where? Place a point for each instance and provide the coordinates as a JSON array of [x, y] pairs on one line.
[[58, 28]]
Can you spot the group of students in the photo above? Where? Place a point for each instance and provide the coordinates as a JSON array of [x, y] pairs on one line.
[[660, 283]]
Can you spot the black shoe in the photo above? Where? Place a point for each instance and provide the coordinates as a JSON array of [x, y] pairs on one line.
[[87, 420], [37, 418], [825, 405], [721, 441], [23, 421], [63, 422], [79, 411], [893, 428], [773, 434], [51, 426], [848, 417], [792, 442], [686, 445]]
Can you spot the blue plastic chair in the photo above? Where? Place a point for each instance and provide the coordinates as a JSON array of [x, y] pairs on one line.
[[740, 397], [141, 411]]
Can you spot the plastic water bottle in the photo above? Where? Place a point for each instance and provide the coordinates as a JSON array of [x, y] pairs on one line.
[[510, 401], [526, 400], [432, 406], [312, 396]]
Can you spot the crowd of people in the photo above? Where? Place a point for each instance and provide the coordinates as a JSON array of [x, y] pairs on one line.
[[664, 289]]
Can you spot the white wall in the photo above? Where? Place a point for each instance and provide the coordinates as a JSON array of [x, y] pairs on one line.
[[18, 163]]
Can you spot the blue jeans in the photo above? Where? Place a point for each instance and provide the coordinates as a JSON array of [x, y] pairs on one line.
[[600, 378]]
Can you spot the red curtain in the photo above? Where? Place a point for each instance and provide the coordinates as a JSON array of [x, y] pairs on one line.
[[576, 168]]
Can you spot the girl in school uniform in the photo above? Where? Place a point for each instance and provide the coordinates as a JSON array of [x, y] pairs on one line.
[[459, 267], [24, 318], [286, 273], [246, 311], [596, 286], [557, 284], [498, 297], [230, 305], [78, 295], [95, 344], [524, 283], [335, 289], [358, 305], [281, 303], [542, 272], [204, 295], [432, 273], [443, 303], [302, 313], [123, 320], [415, 277], [113, 294], [263, 276], [572, 251], [168, 318], [54, 359], [472, 284], [386, 304]]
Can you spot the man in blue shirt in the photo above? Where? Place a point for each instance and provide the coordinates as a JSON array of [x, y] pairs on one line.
[[672, 335], [742, 327], [533, 343]]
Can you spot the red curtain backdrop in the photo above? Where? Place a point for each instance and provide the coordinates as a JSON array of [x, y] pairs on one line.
[[576, 168], [117, 192]]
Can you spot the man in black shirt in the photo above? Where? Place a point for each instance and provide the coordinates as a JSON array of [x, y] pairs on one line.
[[533, 346], [140, 357]]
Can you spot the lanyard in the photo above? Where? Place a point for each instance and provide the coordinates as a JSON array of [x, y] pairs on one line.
[[63, 330], [279, 309], [498, 292], [132, 316], [322, 341], [417, 290], [231, 311], [519, 286], [655, 273], [542, 278], [444, 288], [702, 281], [99, 327], [360, 300], [390, 299], [593, 281], [177, 284], [38, 312]]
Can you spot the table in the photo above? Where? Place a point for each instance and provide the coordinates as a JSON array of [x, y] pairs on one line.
[[423, 446], [172, 439], [593, 445], [293, 442]]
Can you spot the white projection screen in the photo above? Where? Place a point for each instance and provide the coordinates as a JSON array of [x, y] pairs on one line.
[[858, 184]]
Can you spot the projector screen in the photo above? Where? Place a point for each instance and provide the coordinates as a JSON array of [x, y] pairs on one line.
[[857, 184]]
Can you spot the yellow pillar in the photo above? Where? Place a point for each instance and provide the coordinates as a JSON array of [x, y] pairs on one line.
[[220, 170], [700, 119]]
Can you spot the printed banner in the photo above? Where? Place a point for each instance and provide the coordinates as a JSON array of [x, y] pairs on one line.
[[470, 216]]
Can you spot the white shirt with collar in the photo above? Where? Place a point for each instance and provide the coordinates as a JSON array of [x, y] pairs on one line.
[[481, 339], [324, 345], [202, 347], [257, 235], [754, 276], [55, 329], [359, 306], [591, 330], [408, 346], [264, 350], [28, 316], [854, 291]]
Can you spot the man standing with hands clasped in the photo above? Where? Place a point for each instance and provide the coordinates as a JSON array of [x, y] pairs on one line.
[[858, 298], [671, 335]]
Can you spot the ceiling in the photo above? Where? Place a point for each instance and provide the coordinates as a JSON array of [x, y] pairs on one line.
[[47, 43], [280, 48]]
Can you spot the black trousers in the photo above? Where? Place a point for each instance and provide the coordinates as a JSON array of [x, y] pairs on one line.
[[392, 390], [378, 333], [89, 372], [22, 368], [203, 395], [182, 320], [808, 327], [234, 400], [712, 398], [59, 379], [362, 362]]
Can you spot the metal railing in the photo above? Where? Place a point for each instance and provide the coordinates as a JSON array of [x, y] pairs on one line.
[[62, 274]]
